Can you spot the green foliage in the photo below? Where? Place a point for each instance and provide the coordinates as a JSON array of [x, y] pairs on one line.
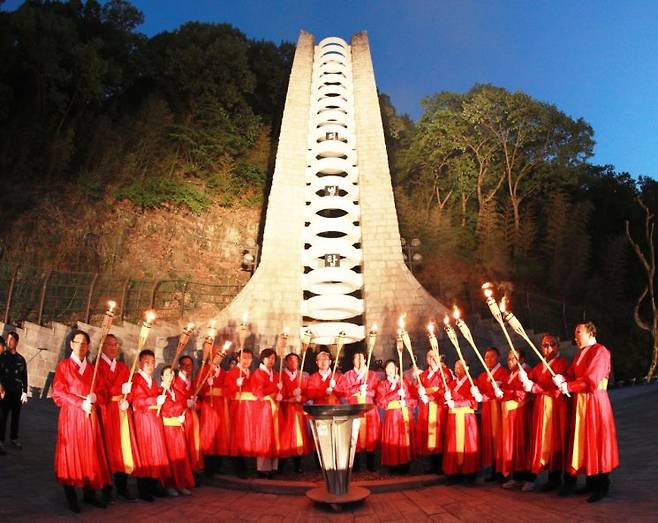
[[154, 192]]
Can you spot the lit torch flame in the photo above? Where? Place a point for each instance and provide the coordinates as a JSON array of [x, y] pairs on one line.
[[189, 327], [227, 346], [446, 320], [401, 321], [150, 316], [245, 316], [488, 289], [503, 304], [373, 329], [456, 314], [430, 328], [111, 305]]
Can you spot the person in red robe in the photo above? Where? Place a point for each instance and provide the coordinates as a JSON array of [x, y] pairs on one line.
[[359, 386], [237, 386], [173, 420], [491, 417], [592, 439], [215, 413], [145, 398], [550, 415], [432, 410], [398, 397], [516, 415], [295, 440], [184, 387], [118, 427], [461, 454], [321, 388], [80, 459]]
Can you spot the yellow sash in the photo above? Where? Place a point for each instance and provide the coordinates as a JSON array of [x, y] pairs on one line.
[[171, 422], [578, 454], [460, 430], [546, 431], [196, 434], [432, 425], [126, 446], [215, 391], [364, 420]]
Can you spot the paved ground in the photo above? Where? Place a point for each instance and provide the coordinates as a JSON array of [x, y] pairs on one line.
[[28, 491]]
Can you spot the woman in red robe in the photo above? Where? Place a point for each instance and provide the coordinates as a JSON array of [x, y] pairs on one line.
[[295, 440], [593, 436], [321, 387], [550, 416], [461, 454], [359, 386], [491, 417], [145, 399], [397, 398], [79, 452], [432, 411], [184, 388], [173, 419]]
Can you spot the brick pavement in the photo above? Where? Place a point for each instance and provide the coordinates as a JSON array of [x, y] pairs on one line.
[[28, 491]]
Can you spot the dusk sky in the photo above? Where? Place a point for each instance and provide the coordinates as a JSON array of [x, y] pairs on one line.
[[592, 59]]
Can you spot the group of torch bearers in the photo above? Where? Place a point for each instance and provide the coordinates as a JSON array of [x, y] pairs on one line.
[[513, 423]]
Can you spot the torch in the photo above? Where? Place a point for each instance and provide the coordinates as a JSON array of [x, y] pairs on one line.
[[283, 343], [242, 336], [306, 340], [339, 347], [149, 318], [452, 335], [215, 361], [399, 345], [106, 325], [407, 344], [435, 347], [496, 313], [469, 338], [183, 338], [372, 339]]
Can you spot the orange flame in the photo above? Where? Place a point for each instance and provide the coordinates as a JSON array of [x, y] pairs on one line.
[[487, 287], [401, 321], [446, 319], [503, 304], [456, 313], [245, 316], [430, 328], [189, 327], [227, 345], [150, 316], [373, 329], [111, 305]]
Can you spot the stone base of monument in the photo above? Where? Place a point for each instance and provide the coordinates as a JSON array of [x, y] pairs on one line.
[[335, 431]]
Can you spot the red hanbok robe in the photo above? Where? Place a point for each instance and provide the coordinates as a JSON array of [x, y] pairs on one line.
[[255, 414], [294, 439], [215, 419], [432, 415], [550, 418], [153, 459], [185, 389], [491, 418], [516, 411], [398, 425], [370, 429], [461, 451], [316, 390], [593, 437], [118, 426], [174, 433], [79, 452]]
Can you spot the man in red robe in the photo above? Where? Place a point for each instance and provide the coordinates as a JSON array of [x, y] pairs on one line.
[[145, 398], [295, 440], [593, 437], [118, 428], [237, 386], [461, 455], [432, 410], [173, 420], [321, 387], [215, 416], [79, 452], [491, 417], [359, 386], [184, 388], [550, 415]]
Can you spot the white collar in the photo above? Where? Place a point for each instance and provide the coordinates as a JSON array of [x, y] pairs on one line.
[[291, 374], [393, 381], [112, 363], [82, 365], [269, 372], [583, 351], [171, 392], [432, 371], [460, 381], [361, 374], [324, 375], [184, 379], [148, 379]]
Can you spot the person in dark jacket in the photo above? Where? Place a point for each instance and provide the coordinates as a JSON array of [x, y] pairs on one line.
[[13, 379]]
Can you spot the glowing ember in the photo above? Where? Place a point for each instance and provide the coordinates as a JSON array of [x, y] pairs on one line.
[[487, 287]]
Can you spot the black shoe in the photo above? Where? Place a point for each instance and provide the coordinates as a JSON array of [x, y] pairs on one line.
[[299, 469], [597, 495], [454, 479], [547, 487], [72, 500], [565, 490], [160, 491], [94, 501], [587, 489], [490, 479], [145, 496], [125, 495]]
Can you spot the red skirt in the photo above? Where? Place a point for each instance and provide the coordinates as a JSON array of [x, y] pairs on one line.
[[153, 459], [120, 441], [182, 476], [256, 427], [491, 434], [514, 430], [193, 438], [79, 452], [397, 436], [215, 424], [461, 452], [429, 429], [548, 434], [294, 440]]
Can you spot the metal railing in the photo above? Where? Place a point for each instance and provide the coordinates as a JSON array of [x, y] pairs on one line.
[[41, 296]]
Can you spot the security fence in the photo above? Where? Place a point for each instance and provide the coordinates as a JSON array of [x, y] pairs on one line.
[[41, 296]]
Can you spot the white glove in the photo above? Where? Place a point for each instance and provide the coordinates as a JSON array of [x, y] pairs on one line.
[[86, 406], [329, 390], [477, 395], [363, 389], [424, 399], [450, 403], [332, 383], [92, 397], [558, 379], [181, 418], [422, 391], [499, 393], [24, 398], [160, 400], [279, 386], [523, 374], [126, 387], [447, 395], [239, 381], [279, 397], [297, 392], [564, 388], [527, 385], [123, 405], [190, 403], [403, 403], [402, 392], [210, 381]]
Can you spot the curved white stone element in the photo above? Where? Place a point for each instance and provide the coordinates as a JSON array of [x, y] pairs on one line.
[[332, 212]]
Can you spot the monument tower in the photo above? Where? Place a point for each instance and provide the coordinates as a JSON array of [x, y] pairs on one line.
[[331, 258]]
